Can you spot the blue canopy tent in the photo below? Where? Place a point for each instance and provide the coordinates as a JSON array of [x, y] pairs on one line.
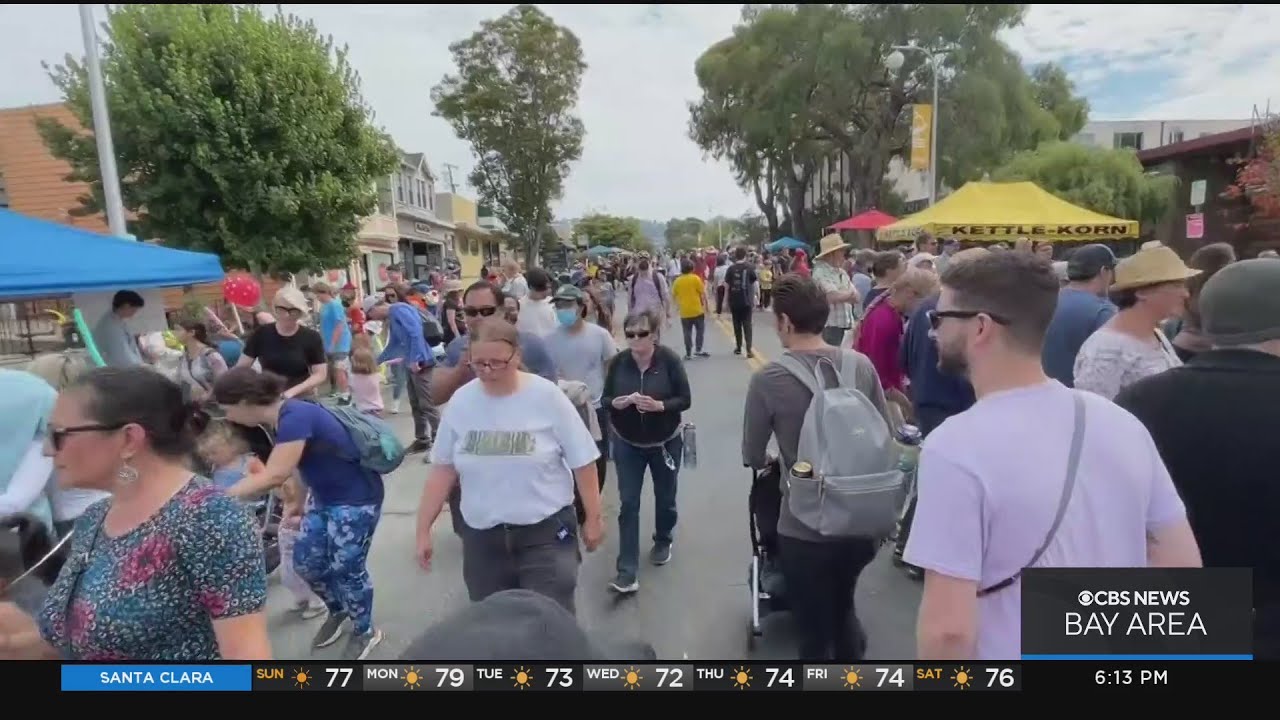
[[786, 243], [44, 259], [599, 250]]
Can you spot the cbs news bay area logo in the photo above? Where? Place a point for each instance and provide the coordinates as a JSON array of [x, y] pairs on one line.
[[1160, 612], [1164, 621]]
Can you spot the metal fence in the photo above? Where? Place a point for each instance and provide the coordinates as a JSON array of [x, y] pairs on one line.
[[31, 327]]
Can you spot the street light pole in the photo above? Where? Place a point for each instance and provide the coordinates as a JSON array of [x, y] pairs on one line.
[[894, 62], [102, 126]]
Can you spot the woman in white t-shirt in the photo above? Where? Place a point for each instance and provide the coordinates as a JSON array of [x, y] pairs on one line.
[[516, 447], [1150, 287]]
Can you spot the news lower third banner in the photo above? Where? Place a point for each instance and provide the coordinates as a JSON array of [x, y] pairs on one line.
[[1137, 614]]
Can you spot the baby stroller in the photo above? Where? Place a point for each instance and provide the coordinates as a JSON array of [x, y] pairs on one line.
[[764, 579], [267, 510]]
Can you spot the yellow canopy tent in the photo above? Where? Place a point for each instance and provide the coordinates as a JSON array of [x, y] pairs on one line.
[[1003, 212]]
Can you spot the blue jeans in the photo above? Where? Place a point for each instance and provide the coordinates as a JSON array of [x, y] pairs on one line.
[[630, 462], [332, 553]]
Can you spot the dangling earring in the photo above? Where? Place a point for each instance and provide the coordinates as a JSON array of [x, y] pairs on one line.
[[127, 474]]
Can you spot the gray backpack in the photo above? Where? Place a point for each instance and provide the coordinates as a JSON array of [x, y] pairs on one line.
[[856, 488]]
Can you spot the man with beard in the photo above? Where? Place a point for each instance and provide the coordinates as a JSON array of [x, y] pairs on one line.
[[1033, 475]]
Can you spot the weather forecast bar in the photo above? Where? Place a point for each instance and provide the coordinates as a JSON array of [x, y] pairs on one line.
[[1103, 673]]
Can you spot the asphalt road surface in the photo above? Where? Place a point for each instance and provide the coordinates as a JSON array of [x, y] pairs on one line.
[[696, 607]]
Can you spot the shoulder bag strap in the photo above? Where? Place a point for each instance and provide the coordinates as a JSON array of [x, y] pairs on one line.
[[801, 371], [1073, 464]]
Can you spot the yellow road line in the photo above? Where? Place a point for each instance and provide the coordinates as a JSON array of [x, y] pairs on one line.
[[756, 360]]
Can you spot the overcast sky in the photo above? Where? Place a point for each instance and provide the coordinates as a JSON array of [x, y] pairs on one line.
[[1169, 62]]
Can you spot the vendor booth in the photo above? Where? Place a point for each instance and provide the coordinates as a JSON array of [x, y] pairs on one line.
[[43, 259], [1004, 212]]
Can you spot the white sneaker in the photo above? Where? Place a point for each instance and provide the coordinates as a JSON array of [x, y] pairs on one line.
[[309, 609], [395, 407]]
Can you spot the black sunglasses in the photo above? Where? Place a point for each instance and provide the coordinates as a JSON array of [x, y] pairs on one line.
[[481, 311], [937, 316], [58, 436], [633, 334]]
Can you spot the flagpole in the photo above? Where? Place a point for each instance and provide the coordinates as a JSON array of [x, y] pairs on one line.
[[102, 125]]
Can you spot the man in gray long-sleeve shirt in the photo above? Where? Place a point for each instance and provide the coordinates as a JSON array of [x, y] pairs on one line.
[[820, 572], [115, 341]]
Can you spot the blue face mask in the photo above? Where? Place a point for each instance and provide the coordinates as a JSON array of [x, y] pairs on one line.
[[567, 316]]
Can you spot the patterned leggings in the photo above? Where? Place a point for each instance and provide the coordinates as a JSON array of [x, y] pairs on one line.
[[331, 554]]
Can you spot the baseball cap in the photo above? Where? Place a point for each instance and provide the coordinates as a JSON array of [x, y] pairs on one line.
[[370, 302], [569, 292], [1087, 261]]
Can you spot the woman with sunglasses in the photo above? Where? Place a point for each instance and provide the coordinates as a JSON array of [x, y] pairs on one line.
[[517, 448], [287, 348], [646, 390], [168, 569]]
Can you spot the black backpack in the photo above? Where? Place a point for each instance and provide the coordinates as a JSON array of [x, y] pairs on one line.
[[432, 330]]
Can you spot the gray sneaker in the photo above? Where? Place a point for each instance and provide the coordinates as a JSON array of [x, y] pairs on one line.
[[624, 585], [359, 646], [329, 632], [660, 554]]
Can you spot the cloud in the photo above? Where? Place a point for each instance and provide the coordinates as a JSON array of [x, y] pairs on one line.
[[1138, 61]]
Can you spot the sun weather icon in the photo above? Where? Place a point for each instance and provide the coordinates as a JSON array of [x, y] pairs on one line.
[[742, 678], [962, 678], [524, 677], [413, 678], [852, 679], [301, 679], [631, 679]]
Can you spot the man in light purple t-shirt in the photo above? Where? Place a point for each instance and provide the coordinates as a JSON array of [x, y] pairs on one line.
[[991, 478], [648, 291]]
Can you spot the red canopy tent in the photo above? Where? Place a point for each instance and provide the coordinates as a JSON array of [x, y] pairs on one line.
[[869, 220]]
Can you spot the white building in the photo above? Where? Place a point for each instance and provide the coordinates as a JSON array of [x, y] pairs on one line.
[[1149, 134]]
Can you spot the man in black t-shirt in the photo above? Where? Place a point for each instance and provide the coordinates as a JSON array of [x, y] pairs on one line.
[[739, 281]]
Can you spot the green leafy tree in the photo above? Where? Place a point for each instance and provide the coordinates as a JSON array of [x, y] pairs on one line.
[[795, 84], [513, 99], [624, 233], [1111, 182], [235, 133], [683, 233]]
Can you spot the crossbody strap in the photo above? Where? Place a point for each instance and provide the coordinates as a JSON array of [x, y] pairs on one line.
[[1068, 487]]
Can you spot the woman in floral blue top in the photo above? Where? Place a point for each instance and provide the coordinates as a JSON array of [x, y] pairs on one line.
[[168, 569]]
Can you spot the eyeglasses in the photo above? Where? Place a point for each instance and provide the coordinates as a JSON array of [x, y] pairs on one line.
[[477, 365], [633, 334], [481, 311], [937, 316], [58, 436], [283, 310]]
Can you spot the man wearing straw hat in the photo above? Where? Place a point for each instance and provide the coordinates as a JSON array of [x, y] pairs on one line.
[[828, 272]]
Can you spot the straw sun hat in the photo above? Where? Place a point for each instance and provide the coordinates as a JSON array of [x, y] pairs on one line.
[[829, 244], [1151, 267]]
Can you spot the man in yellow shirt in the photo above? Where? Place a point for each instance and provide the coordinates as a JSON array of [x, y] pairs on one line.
[[690, 294]]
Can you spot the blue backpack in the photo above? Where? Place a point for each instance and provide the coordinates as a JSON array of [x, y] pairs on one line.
[[380, 450]]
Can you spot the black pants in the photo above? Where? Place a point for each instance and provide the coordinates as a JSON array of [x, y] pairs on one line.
[[741, 326], [602, 463], [820, 578], [765, 294], [719, 299], [694, 326], [542, 557]]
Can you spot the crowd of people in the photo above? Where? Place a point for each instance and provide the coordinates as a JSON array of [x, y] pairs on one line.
[[521, 394]]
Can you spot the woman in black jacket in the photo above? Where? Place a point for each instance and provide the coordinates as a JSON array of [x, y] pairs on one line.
[[646, 390]]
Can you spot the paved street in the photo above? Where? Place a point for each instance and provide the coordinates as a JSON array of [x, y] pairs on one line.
[[695, 607]]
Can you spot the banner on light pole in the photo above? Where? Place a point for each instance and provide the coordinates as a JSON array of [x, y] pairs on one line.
[[921, 129]]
